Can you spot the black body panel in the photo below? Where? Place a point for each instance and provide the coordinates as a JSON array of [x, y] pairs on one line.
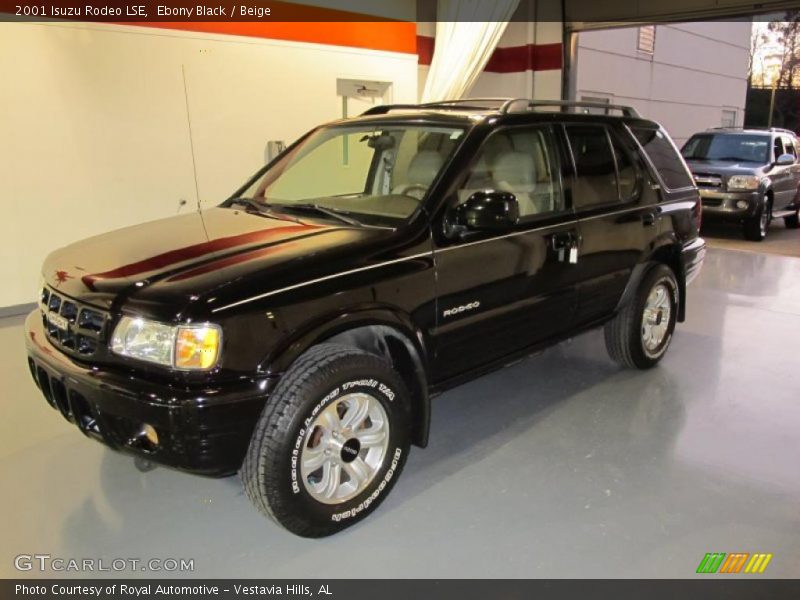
[[461, 303]]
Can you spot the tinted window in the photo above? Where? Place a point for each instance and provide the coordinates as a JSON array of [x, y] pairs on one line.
[[627, 170], [520, 161], [664, 157], [596, 181]]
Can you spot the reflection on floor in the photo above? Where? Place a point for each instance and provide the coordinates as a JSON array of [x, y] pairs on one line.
[[779, 240], [562, 465]]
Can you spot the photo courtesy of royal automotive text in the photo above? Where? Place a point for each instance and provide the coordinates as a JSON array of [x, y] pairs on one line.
[[390, 299]]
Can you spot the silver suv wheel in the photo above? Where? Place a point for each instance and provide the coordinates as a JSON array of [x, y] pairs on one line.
[[656, 318], [344, 448]]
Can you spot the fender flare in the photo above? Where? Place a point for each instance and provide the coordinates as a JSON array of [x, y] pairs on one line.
[[397, 336], [665, 250]]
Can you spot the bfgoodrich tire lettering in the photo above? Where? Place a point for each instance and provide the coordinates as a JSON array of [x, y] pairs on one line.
[[322, 380], [626, 334]]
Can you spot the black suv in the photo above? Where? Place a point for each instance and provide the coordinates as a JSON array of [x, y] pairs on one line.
[[746, 175], [297, 332]]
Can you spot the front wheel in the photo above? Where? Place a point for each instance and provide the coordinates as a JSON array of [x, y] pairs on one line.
[[755, 227], [331, 442], [639, 335], [792, 221]]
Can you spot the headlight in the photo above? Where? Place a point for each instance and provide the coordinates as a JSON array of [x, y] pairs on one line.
[[181, 346], [744, 182]]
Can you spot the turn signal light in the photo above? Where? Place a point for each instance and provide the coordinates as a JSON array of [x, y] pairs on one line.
[[197, 347]]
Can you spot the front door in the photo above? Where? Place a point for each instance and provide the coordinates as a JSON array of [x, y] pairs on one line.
[[500, 292]]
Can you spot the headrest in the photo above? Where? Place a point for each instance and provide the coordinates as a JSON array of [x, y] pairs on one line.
[[514, 168], [424, 166]]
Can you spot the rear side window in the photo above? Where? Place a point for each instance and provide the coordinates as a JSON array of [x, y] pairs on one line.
[[596, 181], [664, 157]]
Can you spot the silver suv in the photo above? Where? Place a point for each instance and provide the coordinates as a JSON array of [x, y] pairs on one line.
[[748, 176]]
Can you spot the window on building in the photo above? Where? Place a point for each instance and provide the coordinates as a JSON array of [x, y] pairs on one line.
[[598, 100], [647, 39], [728, 118]]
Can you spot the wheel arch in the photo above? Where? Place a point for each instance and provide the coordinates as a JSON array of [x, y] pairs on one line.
[[383, 332], [666, 251]]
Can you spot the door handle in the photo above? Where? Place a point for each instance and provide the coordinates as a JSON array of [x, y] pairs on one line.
[[648, 219], [566, 243], [562, 239]]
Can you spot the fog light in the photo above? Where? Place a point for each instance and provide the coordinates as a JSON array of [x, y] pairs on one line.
[[149, 433], [742, 204]]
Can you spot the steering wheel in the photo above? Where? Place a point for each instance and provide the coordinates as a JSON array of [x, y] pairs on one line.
[[407, 187]]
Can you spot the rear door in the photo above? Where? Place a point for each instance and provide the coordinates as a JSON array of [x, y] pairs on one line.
[[616, 212], [499, 292]]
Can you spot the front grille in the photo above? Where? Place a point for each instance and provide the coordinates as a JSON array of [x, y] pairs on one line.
[[712, 202], [708, 180], [69, 402], [71, 326]]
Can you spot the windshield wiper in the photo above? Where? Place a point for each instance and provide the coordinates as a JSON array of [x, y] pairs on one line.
[[257, 206], [262, 209], [307, 206]]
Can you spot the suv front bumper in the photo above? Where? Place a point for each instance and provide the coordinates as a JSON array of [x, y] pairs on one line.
[[726, 205], [204, 430]]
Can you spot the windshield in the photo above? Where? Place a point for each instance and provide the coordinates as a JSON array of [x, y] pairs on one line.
[[371, 174], [731, 146]]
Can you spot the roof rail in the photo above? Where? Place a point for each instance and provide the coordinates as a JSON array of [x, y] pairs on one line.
[[522, 104], [462, 104], [754, 128]]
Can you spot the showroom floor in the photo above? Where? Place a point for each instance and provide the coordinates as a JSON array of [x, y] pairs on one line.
[[560, 466]]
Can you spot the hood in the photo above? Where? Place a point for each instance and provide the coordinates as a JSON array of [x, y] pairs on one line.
[[185, 255], [722, 167]]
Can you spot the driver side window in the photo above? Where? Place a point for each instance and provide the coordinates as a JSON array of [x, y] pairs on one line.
[[520, 160]]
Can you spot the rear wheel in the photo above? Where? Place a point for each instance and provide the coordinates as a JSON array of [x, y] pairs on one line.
[[639, 335], [331, 442]]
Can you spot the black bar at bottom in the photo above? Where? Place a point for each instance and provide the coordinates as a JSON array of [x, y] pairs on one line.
[[708, 588]]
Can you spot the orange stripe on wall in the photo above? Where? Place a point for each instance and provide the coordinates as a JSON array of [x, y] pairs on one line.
[[390, 36]]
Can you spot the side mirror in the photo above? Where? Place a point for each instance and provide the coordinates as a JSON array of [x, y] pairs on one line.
[[487, 211], [784, 160]]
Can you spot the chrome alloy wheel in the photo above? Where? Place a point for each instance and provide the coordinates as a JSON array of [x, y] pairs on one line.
[[656, 318], [344, 448]]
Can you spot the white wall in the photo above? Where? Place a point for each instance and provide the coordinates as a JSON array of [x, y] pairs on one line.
[[94, 131], [697, 70]]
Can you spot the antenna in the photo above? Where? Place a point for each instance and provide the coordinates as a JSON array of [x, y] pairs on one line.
[[191, 147]]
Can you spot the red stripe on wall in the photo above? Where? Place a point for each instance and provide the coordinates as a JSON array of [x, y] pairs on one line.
[[390, 36], [513, 59]]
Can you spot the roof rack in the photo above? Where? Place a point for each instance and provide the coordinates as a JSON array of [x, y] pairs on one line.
[[463, 104], [504, 105], [743, 127], [516, 105]]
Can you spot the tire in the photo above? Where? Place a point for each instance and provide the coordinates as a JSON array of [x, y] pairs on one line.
[[297, 427], [624, 334], [792, 221], [755, 227]]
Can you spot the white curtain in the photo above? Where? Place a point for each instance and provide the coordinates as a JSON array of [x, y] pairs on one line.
[[464, 44]]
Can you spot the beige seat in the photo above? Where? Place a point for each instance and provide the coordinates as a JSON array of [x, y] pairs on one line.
[[422, 170], [515, 172]]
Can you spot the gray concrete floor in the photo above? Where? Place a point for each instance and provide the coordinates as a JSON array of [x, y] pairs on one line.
[[560, 466], [779, 240]]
